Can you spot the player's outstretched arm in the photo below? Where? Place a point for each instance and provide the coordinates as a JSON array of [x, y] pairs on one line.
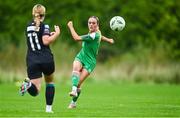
[[53, 36], [75, 36], [109, 40]]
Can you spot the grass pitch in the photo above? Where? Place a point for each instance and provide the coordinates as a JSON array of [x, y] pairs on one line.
[[96, 100]]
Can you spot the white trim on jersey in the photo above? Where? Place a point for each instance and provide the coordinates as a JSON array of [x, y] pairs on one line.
[[31, 28], [46, 26], [92, 35]]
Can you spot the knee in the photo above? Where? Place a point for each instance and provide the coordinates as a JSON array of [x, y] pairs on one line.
[[75, 72], [49, 79]]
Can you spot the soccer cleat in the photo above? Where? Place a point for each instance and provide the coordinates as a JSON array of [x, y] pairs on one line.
[[49, 111], [73, 94], [72, 105], [24, 87]]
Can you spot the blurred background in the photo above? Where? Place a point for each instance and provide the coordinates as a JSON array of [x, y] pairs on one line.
[[147, 50]]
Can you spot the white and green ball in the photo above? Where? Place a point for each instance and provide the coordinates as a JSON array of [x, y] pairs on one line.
[[117, 23]]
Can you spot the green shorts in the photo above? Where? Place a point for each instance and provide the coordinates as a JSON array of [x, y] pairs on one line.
[[88, 64]]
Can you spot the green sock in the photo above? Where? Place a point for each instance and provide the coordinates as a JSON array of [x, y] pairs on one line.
[[74, 99], [75, 79]]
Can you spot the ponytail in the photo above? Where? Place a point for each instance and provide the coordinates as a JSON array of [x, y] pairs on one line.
[[37, 22]]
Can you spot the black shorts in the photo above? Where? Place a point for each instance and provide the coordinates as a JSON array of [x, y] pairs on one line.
[[35, 70]]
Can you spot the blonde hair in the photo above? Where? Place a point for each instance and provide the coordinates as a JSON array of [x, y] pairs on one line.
[[97, 19], [38, 13]]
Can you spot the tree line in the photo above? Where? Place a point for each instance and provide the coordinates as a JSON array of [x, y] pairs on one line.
[[150, 24]]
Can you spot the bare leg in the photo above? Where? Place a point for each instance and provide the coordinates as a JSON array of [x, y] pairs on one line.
[[83, 76], [37, 83]]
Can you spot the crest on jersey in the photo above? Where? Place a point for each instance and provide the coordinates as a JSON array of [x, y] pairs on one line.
[[46, 29]]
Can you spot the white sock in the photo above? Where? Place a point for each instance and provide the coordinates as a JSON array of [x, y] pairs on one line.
[[74, 88], [48, 108]]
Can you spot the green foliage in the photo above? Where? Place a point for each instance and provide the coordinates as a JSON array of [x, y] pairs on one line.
[[151, 35], [148, 22]]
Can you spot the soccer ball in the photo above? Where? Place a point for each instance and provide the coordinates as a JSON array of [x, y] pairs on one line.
[[117, 23]]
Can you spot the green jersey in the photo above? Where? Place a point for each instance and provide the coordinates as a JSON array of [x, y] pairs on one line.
[[90, 46]]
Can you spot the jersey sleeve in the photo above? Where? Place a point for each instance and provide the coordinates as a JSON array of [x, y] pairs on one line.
[[88, 37], [46, 30]]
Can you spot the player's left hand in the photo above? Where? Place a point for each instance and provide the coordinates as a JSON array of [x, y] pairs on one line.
[[111, 41]]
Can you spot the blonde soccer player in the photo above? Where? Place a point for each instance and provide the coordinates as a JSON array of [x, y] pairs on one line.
[[39, 58]]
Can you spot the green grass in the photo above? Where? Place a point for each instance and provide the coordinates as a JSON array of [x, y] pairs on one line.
[[97, 100]]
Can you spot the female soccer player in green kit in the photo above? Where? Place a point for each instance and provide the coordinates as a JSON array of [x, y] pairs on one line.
[[85, 60]]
